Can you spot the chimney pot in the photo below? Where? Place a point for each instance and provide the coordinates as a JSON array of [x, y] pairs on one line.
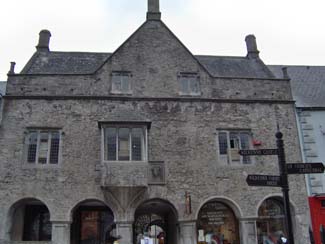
[[44, 41], [153, 10], [12, 68], [251, 45]]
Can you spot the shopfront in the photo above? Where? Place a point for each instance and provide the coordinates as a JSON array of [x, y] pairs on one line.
[[217, 224], [271, 221]]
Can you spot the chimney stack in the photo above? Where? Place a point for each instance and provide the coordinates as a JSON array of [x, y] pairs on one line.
[[252, 51], [153, 10], [12, 68], [44, 41], [285, 73]]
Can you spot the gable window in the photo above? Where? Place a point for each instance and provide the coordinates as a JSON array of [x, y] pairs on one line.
[[125, 143], [43, 147], [189, 84], [229, 143], [121, 82]]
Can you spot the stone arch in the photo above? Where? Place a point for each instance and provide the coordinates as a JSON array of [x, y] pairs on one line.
[[272, 225], [277, 196], [229, 202], [158, 217], [16, 217], [88, 200], [218, 218]]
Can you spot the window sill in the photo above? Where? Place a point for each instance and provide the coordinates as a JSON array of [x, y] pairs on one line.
[[41, 166], [189, 94], [124, 162]]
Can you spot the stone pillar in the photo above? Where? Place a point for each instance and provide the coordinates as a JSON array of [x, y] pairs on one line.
[[188, 232], [61, 232], [248, 231], [124, 229]]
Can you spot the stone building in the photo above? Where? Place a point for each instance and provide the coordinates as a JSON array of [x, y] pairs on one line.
[[143, 143], [308, 91]]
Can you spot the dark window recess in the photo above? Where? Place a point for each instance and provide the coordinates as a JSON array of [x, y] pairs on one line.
[[37, 225], [322, 202]]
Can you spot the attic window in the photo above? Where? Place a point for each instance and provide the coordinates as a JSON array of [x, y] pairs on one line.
[[189, 83], [121, 82]]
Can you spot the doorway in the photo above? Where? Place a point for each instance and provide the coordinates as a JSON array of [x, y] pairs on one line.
[[155, 223], [93, 223]]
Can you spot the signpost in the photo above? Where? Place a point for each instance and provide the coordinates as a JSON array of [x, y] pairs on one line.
[[258, 152], [263, 180], [282, 179], [305, 168]]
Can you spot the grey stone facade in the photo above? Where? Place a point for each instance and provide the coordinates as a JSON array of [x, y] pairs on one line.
[[181, 135]]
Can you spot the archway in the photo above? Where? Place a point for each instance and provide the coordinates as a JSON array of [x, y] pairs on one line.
[[155, 222], [217, 224], [271, 220], [30, 221], [92, 222]]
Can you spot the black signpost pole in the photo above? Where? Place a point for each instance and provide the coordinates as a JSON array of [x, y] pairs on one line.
[[285, 185]]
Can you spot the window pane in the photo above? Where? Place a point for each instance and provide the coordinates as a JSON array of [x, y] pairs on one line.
[[43, 148], [111, 143], [116, 83], [223, 145], [137, 139], [184, 85], [123, 145], [194, 85], [125, 83], [234, 140], [55, 143], [244, 143], [32, 147]]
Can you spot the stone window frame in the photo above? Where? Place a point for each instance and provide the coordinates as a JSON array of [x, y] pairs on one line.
[[190, 75], [36, 164], [122, 74], [228, 158], [144, 125]]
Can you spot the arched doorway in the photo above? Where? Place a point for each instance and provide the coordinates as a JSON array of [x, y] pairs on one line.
[[93, 223], [30, 221], [217, 224], [155, 222], [271, 222]]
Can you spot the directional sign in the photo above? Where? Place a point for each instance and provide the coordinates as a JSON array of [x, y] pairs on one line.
[[305, 168], [264, 180], [258, 152]]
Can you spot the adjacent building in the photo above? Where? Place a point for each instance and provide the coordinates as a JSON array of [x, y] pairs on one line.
[[2, 89], [143, 143], [308, 88]]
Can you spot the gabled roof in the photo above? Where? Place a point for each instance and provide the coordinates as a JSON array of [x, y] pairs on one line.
[[307, 83], [2, 88], [64, 63], [76, 63]]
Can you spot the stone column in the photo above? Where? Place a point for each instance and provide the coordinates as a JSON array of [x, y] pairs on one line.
[[248, 231], [124, 229], [61, 232], [188, 232]]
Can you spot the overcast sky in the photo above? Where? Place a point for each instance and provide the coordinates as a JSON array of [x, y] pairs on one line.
[[287, 31]]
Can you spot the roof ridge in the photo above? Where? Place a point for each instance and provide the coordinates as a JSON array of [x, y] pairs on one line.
[[219, 56]]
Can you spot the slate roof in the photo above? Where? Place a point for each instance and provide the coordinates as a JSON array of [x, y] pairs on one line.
[[2, 88], [87, 63], [307, 82], [227, 66], [64, 63]]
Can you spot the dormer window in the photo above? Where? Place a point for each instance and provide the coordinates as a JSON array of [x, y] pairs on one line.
[[121, 82], [189, 83]]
